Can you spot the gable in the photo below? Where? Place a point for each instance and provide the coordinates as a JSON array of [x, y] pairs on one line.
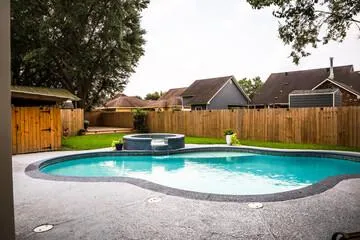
[[328, 83], [229, 94]]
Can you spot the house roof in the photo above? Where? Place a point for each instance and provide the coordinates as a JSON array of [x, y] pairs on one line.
[[202, 91], [173, 97], [123, 101], [156, 104], [278, 86], [42, 93], [316, 91]]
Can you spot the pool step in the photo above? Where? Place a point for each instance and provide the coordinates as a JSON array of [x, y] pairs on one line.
[[159, 144]]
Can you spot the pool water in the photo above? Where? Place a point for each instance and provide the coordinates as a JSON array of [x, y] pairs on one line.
[[212, 172]]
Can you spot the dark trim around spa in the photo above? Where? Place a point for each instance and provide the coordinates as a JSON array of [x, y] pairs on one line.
[[33, 170]]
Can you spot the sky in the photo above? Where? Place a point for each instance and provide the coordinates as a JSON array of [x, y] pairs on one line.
[[196, 39]]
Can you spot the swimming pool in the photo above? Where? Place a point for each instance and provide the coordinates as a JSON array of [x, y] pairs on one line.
[[208, 172]]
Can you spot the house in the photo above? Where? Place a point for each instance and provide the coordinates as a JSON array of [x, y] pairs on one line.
[[171, 100], [275, 91], [123, 103], [214, 93]]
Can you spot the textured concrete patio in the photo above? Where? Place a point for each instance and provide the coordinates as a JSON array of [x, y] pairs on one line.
[[121, 211]]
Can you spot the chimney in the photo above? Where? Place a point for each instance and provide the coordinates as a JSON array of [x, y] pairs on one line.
[[331, 75]]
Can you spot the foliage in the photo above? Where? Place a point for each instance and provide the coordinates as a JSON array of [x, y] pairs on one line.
[[86, 124], [154, 95], [139, 117], [89, 47], [308, 22], [234, 139], [116, 142], [81, 132], [250, 86], [228, 132]]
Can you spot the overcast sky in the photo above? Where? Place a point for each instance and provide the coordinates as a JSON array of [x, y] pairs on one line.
[[195, 39]]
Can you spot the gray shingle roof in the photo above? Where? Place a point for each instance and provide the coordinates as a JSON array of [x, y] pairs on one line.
[[278, 86], [203, 90]]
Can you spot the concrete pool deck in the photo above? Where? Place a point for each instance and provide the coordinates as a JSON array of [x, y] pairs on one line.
[[116, 210]]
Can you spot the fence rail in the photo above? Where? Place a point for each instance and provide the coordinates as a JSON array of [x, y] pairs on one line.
[[333, 126], [72, 121], [110, 119]]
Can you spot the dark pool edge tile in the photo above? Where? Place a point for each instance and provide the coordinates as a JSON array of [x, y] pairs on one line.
[[33, 170]]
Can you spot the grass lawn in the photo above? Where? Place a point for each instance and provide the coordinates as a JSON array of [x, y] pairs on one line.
[[90, 141], [296, 146], [104, 140]]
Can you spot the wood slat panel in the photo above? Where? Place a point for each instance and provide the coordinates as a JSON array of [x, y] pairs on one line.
[[29, 129], [334, 126]]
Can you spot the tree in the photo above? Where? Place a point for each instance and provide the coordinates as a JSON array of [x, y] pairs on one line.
[[307, 22], [250, 86], [89, 47], [154, 95]]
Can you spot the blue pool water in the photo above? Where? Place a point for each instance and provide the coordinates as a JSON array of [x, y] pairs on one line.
[[212, 172]]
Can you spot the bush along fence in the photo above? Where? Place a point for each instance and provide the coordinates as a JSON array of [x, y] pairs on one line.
[[332, 126]]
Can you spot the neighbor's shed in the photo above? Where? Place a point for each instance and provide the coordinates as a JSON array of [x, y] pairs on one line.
[[315, 98]]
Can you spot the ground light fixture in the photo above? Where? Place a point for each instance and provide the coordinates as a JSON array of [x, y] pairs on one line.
[[43, 228], [255, 205], [154, 200]]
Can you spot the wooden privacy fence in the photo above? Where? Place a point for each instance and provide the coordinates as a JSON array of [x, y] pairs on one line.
[[110, 119], [72, 120], [333, 126], [35, 129]]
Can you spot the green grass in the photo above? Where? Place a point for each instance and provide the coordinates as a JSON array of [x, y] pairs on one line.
[[104, 140], [204, 140], [90, 141], [296, 146], [96, 141]]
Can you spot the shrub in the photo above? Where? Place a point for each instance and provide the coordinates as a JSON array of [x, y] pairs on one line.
[[228, 132], [81, 132], [113, 144], [234, 140], [139, 118], [86, 124]]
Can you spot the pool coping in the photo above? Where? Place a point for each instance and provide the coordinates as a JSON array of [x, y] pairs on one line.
[[33, 170]]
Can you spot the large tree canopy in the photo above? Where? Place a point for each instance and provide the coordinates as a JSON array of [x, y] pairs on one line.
[[89, 47], [307, 22]]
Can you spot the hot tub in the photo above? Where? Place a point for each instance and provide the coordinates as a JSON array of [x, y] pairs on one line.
[[154, 141]]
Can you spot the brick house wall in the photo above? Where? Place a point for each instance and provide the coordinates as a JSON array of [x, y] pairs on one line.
[[348, 98]]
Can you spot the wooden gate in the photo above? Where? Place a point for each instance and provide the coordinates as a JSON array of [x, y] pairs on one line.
[[35, 129]]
